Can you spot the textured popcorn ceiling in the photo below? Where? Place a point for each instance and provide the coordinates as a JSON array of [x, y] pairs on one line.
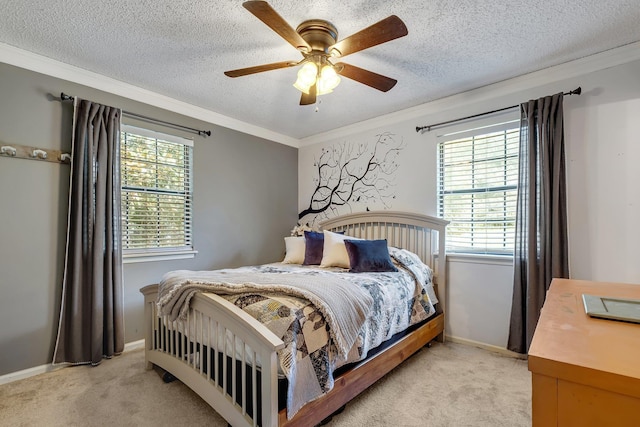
[[180, 48]]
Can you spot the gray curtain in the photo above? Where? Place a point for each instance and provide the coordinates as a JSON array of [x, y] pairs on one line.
[[541, 219], [91, 317]]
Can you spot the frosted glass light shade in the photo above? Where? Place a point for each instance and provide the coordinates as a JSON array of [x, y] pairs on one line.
[[328, 80], [307, 76]]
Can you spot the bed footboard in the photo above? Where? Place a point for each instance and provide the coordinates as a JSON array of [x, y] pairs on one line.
[[223, 354]]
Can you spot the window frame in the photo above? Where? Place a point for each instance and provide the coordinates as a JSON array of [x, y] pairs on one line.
[[496, 123], [133, 255]]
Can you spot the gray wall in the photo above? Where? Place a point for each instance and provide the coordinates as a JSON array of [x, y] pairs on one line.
[[245, 201]]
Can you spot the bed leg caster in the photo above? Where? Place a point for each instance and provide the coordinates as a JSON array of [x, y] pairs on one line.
[[429, 344], [167, 377]]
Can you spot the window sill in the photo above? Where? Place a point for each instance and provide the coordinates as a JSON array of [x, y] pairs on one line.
[[157, 256], [505, 260]]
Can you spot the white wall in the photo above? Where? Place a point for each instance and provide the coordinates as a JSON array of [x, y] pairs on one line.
[[479, 301], [602, 128], [603, 158]]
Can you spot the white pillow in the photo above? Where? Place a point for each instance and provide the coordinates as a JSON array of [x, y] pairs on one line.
[[294, 247], [334, 252]]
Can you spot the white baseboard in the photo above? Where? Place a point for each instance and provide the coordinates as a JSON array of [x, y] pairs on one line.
[[26, 373], [490, 347], [42, 369]]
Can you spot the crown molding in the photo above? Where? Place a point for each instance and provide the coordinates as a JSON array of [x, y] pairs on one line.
[[588, 64], [24, 59]]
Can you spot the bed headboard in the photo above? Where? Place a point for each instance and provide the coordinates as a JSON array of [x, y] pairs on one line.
[[424, 235]]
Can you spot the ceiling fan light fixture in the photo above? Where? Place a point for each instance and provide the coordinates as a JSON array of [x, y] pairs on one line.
[[326, 80], [307, 76]]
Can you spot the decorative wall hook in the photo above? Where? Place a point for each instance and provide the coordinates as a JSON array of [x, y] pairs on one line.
[[39, 154], [28, 152], [7, 150]]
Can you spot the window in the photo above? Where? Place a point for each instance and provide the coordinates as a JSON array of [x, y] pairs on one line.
[[477, 188], [156, 194]]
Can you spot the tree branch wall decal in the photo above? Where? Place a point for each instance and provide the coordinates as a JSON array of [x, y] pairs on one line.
[[350, 173]]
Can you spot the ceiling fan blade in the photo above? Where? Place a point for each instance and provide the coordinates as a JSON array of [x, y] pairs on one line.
[[260, 68], [381, 32], [269, 16], [369, 78], [310, 98]]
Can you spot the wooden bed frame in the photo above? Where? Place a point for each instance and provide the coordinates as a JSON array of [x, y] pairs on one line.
[[190, 350]]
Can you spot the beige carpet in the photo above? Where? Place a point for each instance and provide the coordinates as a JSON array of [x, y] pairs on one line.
[[445, 385]]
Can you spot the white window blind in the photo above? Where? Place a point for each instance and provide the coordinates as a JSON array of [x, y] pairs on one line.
[[157, 191], [477, 188]]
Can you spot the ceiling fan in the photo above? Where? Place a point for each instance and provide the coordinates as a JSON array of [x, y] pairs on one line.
[[316, 39]]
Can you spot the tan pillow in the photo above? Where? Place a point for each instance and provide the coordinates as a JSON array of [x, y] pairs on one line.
[[334, 252], [294, 247]]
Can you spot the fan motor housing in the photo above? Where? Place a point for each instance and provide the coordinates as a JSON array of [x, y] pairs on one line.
[[318, 33]]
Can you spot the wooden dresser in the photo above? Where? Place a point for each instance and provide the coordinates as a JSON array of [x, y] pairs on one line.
[[585, 371]]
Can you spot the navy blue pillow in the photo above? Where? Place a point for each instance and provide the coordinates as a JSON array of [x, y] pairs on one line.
[[369, 256], [314, 244]]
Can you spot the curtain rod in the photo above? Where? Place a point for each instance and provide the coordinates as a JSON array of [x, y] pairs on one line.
[[65, 97], [576, 91]]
